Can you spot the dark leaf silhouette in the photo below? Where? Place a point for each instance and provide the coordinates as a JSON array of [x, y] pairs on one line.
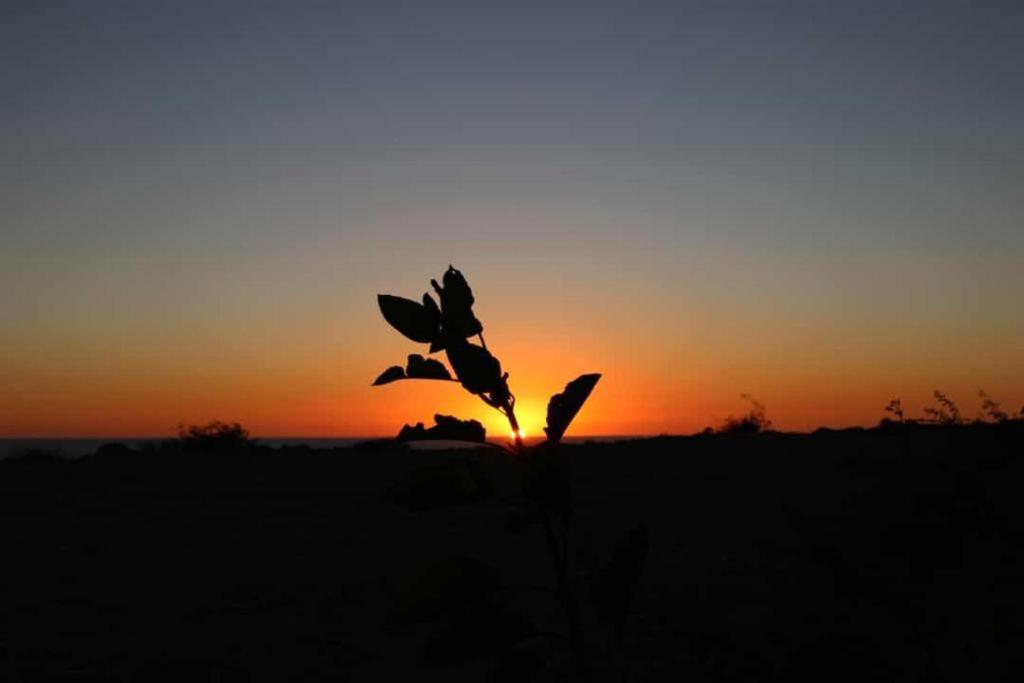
[[416, 321], [562, 408], [613, 590], [436, 344], [395, 372], [476, 368], [447, 428], [419, 367], [431, 306], [457, 305]]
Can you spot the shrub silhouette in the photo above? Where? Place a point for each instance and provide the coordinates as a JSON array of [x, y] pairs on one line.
[[991, 408], [754, 421], [213, 437], [472, 621], [947, 413], [895, 408]]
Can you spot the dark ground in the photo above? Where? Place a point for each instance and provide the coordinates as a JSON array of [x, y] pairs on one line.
[[889, 554]]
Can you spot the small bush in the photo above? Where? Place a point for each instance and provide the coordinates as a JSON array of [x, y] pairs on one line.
[[214, 437], [895, 408], [756, 420], [991, 409], [947, 413]]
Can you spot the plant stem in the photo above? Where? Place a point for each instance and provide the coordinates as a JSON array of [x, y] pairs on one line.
[[511, 414], [572, 609], [559, 562]]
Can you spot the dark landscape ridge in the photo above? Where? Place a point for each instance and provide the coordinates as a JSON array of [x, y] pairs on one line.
[[76, 447], [890, 553]]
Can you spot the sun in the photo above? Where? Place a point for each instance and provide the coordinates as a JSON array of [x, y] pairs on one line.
[[521, 433]]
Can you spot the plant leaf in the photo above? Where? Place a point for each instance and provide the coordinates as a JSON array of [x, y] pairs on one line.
[[431, 306], [562, 408], [476, 368], [437, 345], [419, 367], [414, 320], [457, 305], [446, 428], [395, 372]]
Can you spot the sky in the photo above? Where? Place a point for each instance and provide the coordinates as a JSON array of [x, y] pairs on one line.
[[817, 204]]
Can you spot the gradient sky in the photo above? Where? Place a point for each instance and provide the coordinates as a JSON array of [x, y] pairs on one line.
[[819, 204]]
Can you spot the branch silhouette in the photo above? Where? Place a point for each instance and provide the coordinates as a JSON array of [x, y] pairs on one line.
[[449, 327]]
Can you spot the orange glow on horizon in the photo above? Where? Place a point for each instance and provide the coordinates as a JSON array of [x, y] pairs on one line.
[[310, 375]]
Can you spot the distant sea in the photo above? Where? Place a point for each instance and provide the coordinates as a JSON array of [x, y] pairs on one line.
[[76, 448]]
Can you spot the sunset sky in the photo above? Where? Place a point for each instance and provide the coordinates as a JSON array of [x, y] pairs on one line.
[[818, 204]]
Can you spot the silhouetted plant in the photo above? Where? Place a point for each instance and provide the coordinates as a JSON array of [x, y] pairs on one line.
[[946, 414], [756, 420], [213, 437], [991, 409], [895, 408], [468, 608], [448, 328]]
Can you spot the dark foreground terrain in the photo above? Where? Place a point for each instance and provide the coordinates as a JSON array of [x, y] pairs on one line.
[[888, 554]]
